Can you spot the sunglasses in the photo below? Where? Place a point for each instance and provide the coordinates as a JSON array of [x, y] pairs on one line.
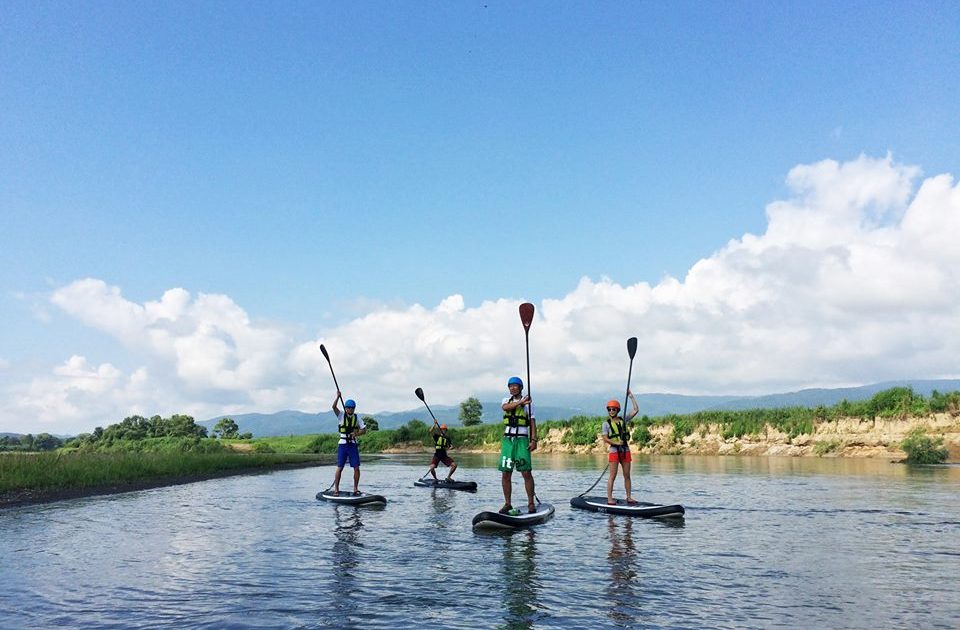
[[613, 408]]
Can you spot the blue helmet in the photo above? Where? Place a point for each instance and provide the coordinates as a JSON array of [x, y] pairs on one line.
[[515, 380], [350, 403]]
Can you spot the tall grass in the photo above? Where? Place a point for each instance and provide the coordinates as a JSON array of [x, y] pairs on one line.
[[78, 469]]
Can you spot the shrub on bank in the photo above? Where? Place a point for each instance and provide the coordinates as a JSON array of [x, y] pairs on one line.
[[922, 449]]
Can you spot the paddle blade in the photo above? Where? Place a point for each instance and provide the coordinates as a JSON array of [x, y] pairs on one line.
[[632, 347], [526, 314], [324, 351], [419, 392]]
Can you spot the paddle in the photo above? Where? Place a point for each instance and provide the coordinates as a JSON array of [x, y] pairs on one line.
[[419, 392], [327, 357], [632, 351], [526, 318]]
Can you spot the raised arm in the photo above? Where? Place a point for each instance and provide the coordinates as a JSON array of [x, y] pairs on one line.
[[636, 407], [510, 405], [336, 409]]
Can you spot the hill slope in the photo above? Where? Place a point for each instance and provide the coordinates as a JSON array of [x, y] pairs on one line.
[[561, 406]]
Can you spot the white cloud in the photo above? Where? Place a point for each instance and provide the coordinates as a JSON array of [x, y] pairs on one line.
[[854, 280]]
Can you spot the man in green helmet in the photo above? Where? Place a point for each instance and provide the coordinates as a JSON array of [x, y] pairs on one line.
[[518, 441]]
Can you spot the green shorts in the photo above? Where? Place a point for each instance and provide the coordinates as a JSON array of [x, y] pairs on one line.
[[515, 453]]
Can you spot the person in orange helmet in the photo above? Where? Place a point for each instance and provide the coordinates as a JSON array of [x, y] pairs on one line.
[[441, 444], [616, 433]]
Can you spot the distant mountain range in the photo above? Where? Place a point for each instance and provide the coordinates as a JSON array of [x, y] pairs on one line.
[[563, 406]]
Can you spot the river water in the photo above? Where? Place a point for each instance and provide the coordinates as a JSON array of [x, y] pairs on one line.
[[767, 542]]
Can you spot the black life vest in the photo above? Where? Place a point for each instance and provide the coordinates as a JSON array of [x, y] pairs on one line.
[[348, 424], [442, 442], [618, 431], [516, 417]]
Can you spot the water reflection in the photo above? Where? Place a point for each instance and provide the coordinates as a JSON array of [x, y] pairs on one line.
[[345, 561], [521, 583], [622, 591]]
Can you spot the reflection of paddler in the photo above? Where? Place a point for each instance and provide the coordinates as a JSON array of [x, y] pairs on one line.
[[345, 561], [616, 433], [518, 441], [522, 587], [623, 573]]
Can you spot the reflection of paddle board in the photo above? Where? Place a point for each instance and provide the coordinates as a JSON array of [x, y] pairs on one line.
[[644, 510], [348, 498], [495, 520], [468, 486]]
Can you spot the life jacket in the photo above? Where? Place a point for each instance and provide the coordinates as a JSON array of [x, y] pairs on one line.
[[618, 431], [442, 442], [514, 419], [348, 424]]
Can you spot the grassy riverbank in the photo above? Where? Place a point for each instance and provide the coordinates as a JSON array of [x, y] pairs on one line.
[[36, 477], [877, 427]]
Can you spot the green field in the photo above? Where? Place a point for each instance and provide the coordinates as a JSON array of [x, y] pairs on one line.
[[76, 470]]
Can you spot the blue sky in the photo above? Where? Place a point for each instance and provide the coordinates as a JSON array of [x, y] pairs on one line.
[[319, 162]]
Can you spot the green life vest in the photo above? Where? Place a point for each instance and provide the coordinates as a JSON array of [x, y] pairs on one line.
[[618, 431], [516, 417], [348, 424], [442, 442]]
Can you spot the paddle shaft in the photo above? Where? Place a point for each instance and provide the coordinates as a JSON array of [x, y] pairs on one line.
[[526, 334], [631, 352], [330, 365]]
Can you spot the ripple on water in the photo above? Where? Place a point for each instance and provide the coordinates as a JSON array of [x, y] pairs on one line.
[[764, 544]]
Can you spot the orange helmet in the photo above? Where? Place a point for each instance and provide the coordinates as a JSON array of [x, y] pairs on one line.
[[443, 427], [613, 403]]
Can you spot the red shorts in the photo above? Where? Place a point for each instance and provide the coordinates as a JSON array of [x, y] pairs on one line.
[[620, 457], [441, 457]]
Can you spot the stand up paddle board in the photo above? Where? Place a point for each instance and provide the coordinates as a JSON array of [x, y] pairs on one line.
[[467, 486], [496, 520], [348, 498], [644, 510]]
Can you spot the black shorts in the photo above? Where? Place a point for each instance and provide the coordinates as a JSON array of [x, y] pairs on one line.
[[441, 456]]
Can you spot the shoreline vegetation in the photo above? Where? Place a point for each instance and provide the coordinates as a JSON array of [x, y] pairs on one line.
[[140, 453], [895, 423]]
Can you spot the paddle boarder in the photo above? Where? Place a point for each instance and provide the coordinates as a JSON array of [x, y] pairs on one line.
[[616, 433], [441, 444], [350, 426], [518, 441]]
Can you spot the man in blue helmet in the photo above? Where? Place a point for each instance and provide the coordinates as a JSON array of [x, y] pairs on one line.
[[518, 441], [350, 426]]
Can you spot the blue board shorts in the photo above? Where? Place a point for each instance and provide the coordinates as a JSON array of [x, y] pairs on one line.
[[345, 451]]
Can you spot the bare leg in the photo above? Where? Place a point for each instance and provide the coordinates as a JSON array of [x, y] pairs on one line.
[[336, 480], [433, 471], [528, 485], [506, 482], [627, 483], [611, 479], [356, 479], [453, 468]]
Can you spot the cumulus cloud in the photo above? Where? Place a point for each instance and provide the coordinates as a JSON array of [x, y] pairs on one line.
[[854, 280]]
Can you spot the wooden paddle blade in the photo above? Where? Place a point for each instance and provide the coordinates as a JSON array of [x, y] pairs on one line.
[[526, 314], [419, 392], [632, 347], [324, 351]]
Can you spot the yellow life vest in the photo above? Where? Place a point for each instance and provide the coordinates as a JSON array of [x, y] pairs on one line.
[[618, 431], [348, 424], [517, 417]]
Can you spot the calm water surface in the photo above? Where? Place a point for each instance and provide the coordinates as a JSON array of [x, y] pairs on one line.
[[766, 543]]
